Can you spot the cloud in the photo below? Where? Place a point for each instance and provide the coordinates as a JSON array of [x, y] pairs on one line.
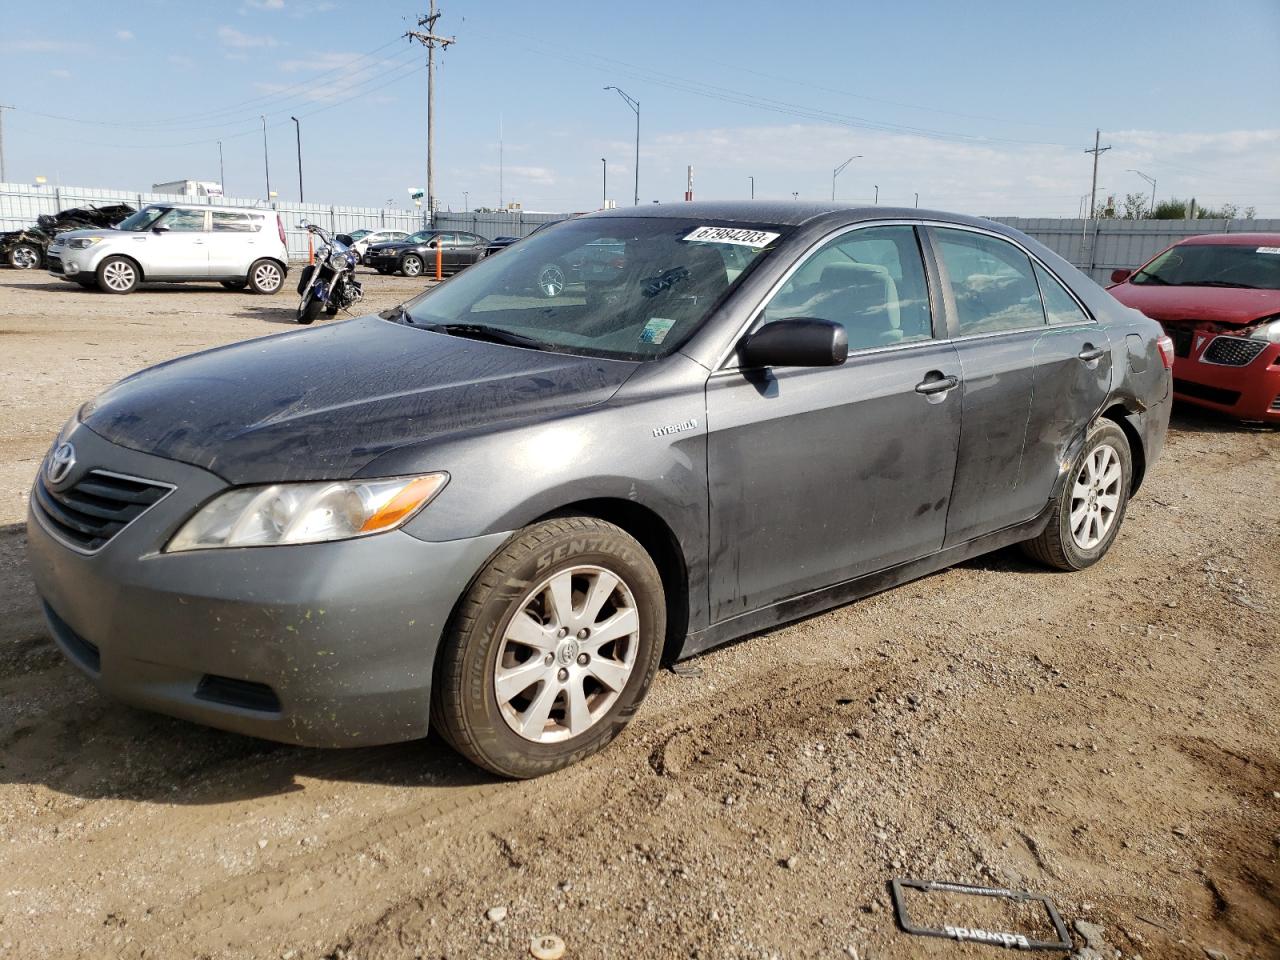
[[516, 175], [124, 34], [231, 37], [60, 74], [265, 4], [181, 60]]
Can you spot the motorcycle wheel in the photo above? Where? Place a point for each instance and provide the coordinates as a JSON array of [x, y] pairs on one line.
[[308, 309]]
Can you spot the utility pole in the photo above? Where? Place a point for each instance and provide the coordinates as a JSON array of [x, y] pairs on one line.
[[466, 201], [877, 186], [499, 161], [634, 104], [429, 39], [1097, 151], [266, 162], [753, 187], [3, 108], [298, 127], [222, 177], [604, 183]]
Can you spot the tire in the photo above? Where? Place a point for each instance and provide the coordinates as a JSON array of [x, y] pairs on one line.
[[25, 256], [234, 284], [308, 309], [266, 277], [576, 553], [551, 280], [118, 275], [1081, 529], [411, 266]]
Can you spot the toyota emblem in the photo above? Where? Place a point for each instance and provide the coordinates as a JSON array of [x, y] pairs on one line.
[[60, 463]]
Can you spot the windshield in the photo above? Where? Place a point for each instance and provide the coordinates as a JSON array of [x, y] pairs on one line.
[[143, 219], [623, 288], [1214, 265]]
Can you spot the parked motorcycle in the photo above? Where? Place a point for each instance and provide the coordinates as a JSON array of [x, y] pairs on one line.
[[330, 283]]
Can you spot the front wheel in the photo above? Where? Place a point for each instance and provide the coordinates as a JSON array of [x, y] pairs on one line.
[[117, 275], [24, 256], [1087, 516], [411, 266], [308, 308], [552, 649], [551, 280]]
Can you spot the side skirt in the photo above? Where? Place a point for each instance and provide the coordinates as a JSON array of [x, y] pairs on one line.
[[817, 601]]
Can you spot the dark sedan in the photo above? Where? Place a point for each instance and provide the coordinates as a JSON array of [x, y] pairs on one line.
[[493, 513], [417, 255]]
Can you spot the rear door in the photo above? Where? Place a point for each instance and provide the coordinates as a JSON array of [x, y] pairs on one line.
[[233, 243], [178, 245], [470, 248], [818, 475]]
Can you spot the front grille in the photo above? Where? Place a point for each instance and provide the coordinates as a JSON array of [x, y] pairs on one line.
[[1233, 351], [98, 507], [1227, 398], [1275, 404], [54, 264]]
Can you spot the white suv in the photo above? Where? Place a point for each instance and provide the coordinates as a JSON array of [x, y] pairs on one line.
[[237, 246], [361, 246]]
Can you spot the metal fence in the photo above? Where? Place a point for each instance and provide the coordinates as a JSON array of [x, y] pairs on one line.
[[1096, 247], [21, 203], [1099, 246]]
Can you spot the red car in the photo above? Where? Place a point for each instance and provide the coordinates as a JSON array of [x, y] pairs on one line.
[[1218, 297]]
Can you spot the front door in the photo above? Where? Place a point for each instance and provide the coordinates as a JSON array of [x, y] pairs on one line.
[[818, 475], [177, 246]]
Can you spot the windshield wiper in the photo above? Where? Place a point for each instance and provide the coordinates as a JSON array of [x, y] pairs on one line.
[[482, 331], [1217, 283]]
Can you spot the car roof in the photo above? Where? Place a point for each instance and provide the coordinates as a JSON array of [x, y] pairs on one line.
[[790, 214], [1235, 239], [217, 208]]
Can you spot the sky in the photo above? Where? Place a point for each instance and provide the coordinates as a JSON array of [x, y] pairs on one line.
[[975, 107]]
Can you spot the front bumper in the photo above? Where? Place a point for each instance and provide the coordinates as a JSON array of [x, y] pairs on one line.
[[317, 644], [1249, 391], [383, 261], [67, 263]]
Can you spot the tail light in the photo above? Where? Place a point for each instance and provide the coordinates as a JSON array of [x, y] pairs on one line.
[[280, 226], [1165, 343]]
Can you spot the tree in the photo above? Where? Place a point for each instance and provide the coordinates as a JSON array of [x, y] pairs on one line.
[[1171, 209], [1135, 206]]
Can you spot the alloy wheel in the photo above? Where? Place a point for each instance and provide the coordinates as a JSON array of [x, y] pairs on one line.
[[411, 267], [119, 276], [551, 280], [24, 258], [268, 277], [566, 654], [1095, 496]]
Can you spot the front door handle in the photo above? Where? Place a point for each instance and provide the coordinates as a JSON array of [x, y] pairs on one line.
[[1090, 353], [935, 382]]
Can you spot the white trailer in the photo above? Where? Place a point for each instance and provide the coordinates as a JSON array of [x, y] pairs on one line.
[[189, 188]]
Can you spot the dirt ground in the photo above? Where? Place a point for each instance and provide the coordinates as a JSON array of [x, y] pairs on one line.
[[1110, 739]]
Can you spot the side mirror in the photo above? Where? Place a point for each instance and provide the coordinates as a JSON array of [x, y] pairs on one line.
[[1120, 275], [796, 342], [160, 229]]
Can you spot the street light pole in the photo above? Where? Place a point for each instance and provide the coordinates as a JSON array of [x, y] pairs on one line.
[[753, 187], [222, 177], [634, 104], [298, 128], [266, 162], [917, 198], [1152, 181], [837, 171], [877, 186], [466, 201], [604, 183]]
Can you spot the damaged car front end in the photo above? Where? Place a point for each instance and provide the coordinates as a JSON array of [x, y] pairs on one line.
[[25, 249]]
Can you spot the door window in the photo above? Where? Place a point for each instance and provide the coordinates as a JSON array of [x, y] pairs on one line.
[[1059, 306], [992, 282], [871, 280], [224, 222], [181, 220]]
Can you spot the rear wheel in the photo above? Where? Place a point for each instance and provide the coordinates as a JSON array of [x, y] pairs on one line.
[[265, 277], [552, 648], [117, 275], [1087, 517], [411, 266], [24, 256]]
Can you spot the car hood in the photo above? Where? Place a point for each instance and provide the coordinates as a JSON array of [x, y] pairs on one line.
[[1227, 305], [322, 403]]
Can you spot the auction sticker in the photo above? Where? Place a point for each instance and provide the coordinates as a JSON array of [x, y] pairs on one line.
[[1260, 249], [735, 235], [656, 330]]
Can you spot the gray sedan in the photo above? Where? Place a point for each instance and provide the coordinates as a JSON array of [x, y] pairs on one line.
[[496, 513]]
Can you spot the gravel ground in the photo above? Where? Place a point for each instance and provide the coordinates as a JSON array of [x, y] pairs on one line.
[[1109, 738]]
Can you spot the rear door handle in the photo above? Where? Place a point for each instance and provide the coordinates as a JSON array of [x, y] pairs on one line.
[[935, 382], [1090, 353]]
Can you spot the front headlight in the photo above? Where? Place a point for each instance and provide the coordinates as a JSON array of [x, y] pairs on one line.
[[1268, 330], [81, 243], [282, 513]]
